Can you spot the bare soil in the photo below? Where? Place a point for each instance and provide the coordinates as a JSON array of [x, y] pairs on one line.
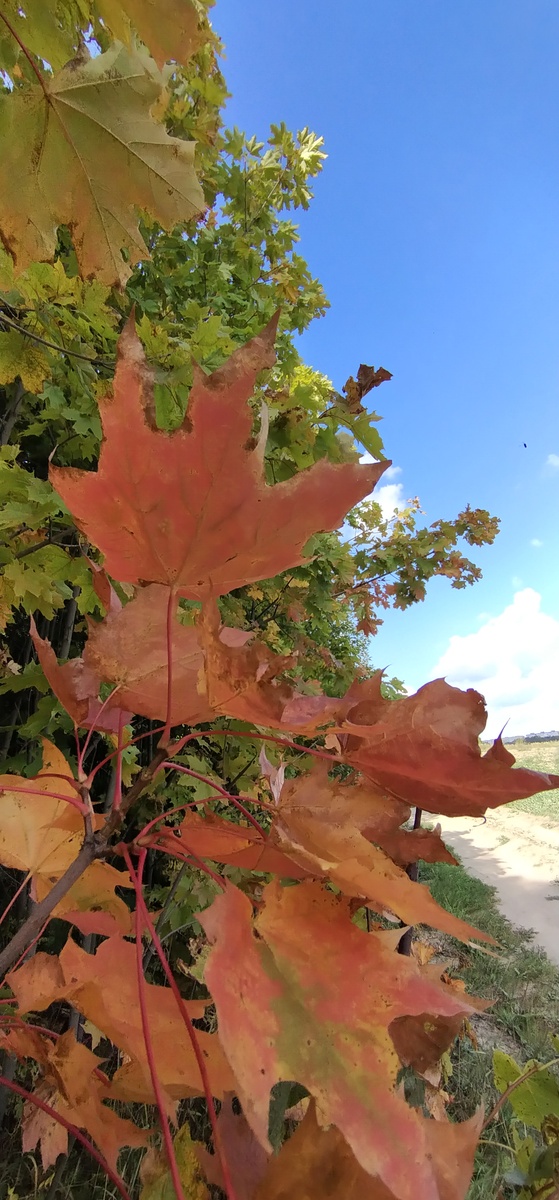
[[518, 854]]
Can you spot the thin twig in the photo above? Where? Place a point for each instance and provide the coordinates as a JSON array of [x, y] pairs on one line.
[[97, 362], [32, 1098], [513, 1086], [148, 1042]]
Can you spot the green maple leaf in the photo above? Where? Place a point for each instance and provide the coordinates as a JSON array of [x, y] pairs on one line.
[[83, 150]]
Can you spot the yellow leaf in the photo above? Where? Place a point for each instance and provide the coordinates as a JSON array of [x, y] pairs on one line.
[[21, 356], [41, 834], [169, 28], [85, 152], [156, 1176]]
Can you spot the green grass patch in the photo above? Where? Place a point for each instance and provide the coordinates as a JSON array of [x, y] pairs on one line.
[[524, 987]]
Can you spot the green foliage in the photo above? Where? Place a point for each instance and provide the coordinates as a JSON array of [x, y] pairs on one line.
[[534, 1099]]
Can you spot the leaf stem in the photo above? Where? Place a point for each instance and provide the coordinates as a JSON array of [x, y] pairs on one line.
[[171, 605], [148, 1042], [513, 1086], [226, 795], [28, 56], [229, 1188]]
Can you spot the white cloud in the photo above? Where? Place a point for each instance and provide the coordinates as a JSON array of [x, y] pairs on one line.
[[552, 460], [389, 494], [536, 542], [513, 660]]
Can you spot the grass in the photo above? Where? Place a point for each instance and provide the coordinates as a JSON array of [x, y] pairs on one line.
[[524, 986], [538, 756]]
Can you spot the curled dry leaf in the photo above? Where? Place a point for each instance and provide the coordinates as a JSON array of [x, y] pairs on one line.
[[88, 982], [284, 1014], [42, 834], [191, 509]]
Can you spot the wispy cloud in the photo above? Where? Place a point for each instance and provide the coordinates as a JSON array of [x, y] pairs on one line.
[[552, 460], [536, 542]]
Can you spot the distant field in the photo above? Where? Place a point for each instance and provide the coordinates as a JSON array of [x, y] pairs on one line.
[[539, 756]]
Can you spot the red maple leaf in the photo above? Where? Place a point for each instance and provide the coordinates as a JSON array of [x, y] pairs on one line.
[[191, 508]]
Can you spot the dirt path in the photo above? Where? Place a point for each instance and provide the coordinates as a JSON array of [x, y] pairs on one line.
[[518, 854]]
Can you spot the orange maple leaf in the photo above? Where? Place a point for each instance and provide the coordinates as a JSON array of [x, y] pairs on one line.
[[287, 1013], [191, 508], [104, 988]]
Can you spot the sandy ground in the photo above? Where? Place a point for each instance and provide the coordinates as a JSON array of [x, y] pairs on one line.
[[518, 854]]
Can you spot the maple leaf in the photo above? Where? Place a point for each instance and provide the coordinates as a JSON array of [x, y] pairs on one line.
[[87, 981], [319, 825], [326, 800], [286, 1013], [20, 356], [73, 1085], [318, 1164], [42, 835], [425, 749], [169, 29], [190, 509], [94, 157]]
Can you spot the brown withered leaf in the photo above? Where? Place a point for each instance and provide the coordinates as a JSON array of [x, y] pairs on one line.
[[191, 509], [367, 379], [318, 1164]]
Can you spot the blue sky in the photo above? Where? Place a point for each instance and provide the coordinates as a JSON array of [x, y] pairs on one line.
[[435, 232]]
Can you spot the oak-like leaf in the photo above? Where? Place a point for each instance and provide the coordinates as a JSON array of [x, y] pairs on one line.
[[286, 1013], [42, 834], [191, 509], [104, 988], [92, 158]]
